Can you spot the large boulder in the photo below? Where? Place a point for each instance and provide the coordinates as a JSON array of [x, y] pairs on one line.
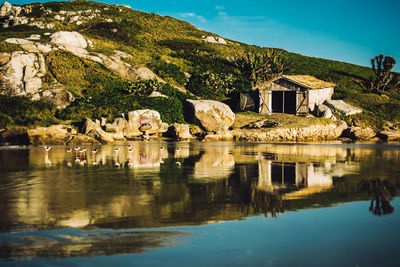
[[64, 38], [71, 41], [341, 107], [21, 75], [57, 135], [358, 133], [57, 96], [389, 135], [211, 115], [323, 111], [179, 131], [95, 131], [137, 117], [14, 136]]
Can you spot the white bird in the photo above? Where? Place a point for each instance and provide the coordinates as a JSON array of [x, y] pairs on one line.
[[77, 148], [117, 149], [178, 164], [94, 150], [129, 146], [130, 150], [178, 148], [68, 150], [47, 148], [162, 148]]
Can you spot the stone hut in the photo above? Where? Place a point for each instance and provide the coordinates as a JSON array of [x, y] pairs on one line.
[[293, 94]]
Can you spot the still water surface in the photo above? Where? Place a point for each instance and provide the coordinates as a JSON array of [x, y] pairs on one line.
[[197, 204]]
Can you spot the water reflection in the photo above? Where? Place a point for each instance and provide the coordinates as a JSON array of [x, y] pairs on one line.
[[51, 244], [144, 184]]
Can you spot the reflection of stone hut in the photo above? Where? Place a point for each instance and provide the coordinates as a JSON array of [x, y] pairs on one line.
[[293, 94]]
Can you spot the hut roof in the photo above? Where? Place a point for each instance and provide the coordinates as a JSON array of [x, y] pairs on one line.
[[308, 81]]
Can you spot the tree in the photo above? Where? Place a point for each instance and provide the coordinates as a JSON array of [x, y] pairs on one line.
[[261, 67], [382, 67]]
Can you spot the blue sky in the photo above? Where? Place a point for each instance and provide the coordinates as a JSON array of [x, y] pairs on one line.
[[352, 31]]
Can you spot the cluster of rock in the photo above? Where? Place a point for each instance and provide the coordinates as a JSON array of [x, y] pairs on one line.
[[330, 107], [310, 133], [21, 72], [14, 15], [77, 17], [11, 16]]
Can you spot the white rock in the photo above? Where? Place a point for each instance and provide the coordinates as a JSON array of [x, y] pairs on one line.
[[58, 17], [5, 9], [21, 75], [68, 39], [157, 94], [342, 107], [211, 115], [34, 37], [135, 118]]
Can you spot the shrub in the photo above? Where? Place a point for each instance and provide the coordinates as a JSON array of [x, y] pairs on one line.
[[211, 85], [168, 71], [18, 110]]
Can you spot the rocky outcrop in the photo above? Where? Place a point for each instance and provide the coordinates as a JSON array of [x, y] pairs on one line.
[[138, 117], [358, 133], [60, 98], [341, 107], [211, 115], [92, 129], [389, 135], [265, 123], [21, 75], [219, 136], [214, 40], [57, 135], [323, 111], [179, 132], [310, 133]]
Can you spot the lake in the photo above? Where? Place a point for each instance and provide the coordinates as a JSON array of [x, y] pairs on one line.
[[200, 204]]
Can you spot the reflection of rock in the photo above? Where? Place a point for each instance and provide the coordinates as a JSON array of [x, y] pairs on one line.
[[215, 163], [211, 115]]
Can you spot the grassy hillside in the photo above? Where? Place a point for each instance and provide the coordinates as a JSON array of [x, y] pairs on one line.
[[174, 50]]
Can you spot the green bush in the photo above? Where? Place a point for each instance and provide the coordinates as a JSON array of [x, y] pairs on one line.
[[109, 104], [168, 71], [18, 110]]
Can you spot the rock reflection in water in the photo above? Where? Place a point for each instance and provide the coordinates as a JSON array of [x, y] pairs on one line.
[[142, 186], [83, 243]]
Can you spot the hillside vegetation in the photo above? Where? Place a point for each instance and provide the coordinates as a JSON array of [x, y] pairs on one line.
[[176, 52]]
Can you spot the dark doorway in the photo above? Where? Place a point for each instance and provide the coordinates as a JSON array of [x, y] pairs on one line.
[[284, 102], [290, 102], [277, 101]]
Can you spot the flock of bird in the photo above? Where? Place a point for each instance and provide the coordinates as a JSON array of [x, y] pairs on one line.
[[80, 155]]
